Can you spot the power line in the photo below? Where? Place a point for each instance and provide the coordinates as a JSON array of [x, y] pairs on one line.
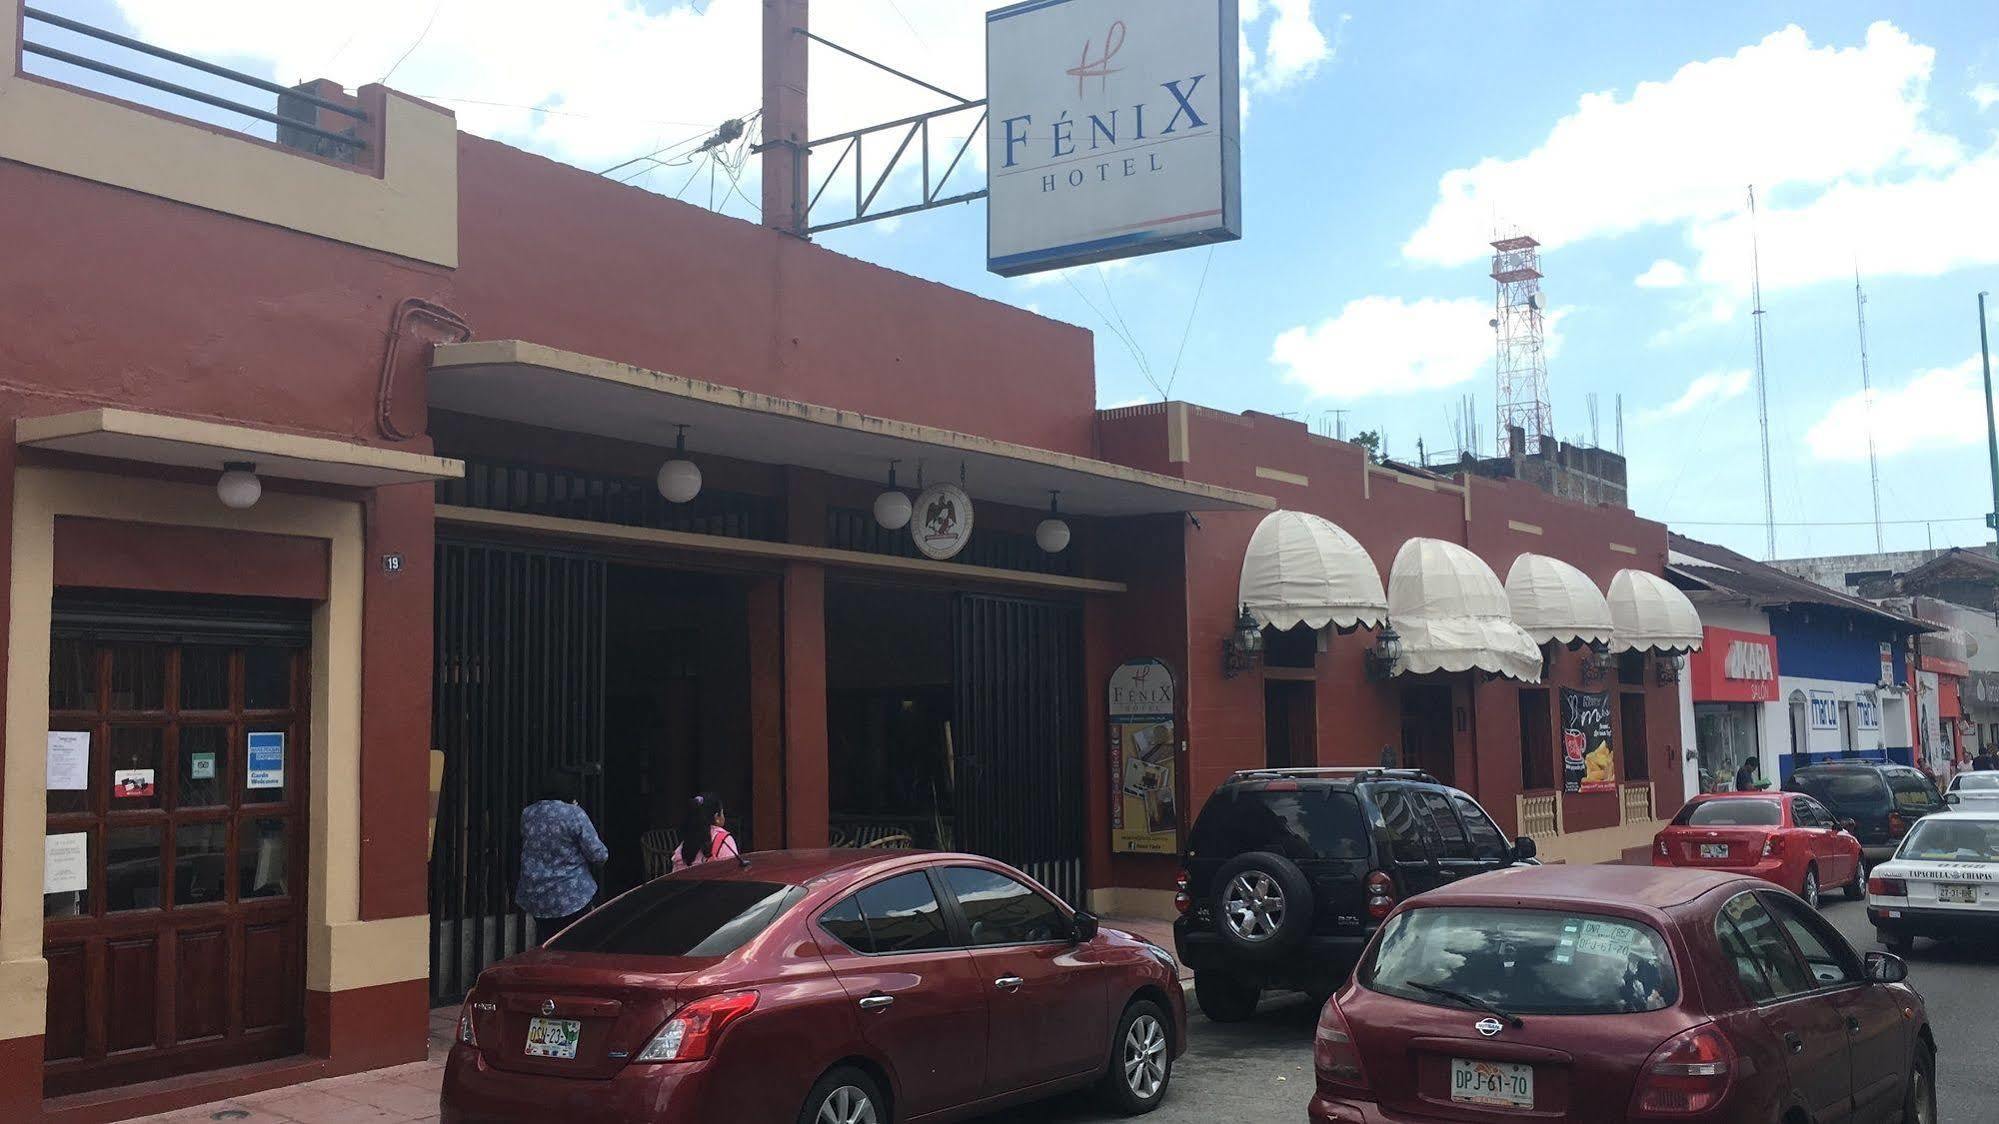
[[421, 36], [1189, 329], [560, 112], [1824, 522]]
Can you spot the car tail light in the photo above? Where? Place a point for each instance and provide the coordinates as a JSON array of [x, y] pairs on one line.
[[1888, 887], [1380, 894], [1335, 1055], [1773, 846], [1897, 826], [690, 1034], [1182, 900], [467, 1034], [1686, 1076], [1663, 852]]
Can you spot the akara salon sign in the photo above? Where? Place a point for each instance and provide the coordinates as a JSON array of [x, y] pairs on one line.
[[1111, 130]]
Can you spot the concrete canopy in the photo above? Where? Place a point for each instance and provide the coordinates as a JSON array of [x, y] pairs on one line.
[[131, 435], [534, 385]]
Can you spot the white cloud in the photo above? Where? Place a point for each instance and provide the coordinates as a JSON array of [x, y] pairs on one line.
[[1295, 47], [1386, 345], [1715, 386], [1781, 113], [1986, 94], [1664, 274], [622, 77], [1941, 408]]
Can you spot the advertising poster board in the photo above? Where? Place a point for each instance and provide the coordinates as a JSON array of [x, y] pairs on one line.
[[1589, 759], [1145, 809]]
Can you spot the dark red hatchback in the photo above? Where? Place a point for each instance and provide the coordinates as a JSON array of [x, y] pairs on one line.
[[832, 987], [1609, 992]]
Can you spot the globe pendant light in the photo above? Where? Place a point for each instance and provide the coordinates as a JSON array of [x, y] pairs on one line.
[[238, 486], [679, 478], [1052, 535], [892, 507]]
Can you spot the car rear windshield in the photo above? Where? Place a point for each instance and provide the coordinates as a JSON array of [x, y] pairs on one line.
[[1912, 789], [1978, 782], [1952, 841], [1843, 786], [681, 917], [1297, 821], [1730, 813], [1523, 961]]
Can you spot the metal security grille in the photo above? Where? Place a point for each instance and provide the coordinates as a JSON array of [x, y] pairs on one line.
[[850, 528], [519, 691], [628, 501], [1018, 678]]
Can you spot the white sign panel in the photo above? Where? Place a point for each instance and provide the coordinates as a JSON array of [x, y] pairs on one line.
[[1111, 130], [69, 760], [1866, 713], [1825, 710], [66, 863]]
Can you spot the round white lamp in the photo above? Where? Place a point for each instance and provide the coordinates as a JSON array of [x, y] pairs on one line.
[[238, 486], [680, 478], [1052, 534], [892, 507]]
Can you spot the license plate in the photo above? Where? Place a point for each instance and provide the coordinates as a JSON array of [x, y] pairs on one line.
[[553, 1038], [1493, 1083], [1714, 850], [1965, 894]]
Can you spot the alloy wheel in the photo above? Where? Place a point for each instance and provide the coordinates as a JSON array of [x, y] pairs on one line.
[[1145, 1057], [1926, 1097], [846, 1105], [1254, 905], [1811, 894]]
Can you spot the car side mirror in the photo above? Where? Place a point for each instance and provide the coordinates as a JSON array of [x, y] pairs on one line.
[[1525, 848], [1849, 824], [1952, 798], [1886, 968], [1085, 929]]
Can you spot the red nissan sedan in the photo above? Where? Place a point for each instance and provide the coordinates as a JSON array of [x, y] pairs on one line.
[[1594, 993], [1784, 837], [831, 987]]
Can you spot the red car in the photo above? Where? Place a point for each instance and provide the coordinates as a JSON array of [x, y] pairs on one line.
[[834, 987], [1596, 993], [1783, 837]]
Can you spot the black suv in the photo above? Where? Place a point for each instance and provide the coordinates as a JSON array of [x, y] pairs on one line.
[[1882, 800], [1288, 872]]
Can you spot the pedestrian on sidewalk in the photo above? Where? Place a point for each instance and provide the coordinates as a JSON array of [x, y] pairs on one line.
[[704, 834], [558, 846]]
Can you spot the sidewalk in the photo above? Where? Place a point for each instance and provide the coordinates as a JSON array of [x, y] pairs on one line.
[[409, 1092]]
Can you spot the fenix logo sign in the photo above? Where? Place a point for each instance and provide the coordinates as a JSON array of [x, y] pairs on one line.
[[1113, 130]]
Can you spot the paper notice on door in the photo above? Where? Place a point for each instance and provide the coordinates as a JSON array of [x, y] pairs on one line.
[[66, 863], [69, 760], [267, 760]]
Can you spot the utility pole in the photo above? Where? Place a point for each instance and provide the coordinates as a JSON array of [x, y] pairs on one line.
[[1991, 434], [784, 122], [1762, 389], [1867, 401]]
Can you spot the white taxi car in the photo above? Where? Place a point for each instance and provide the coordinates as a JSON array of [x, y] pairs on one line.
[[1974, 790], [1943, 881]]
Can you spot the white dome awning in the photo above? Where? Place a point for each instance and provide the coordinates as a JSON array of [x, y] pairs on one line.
[[1301, 569], [1651, 615], [1555, 602], [1452, 614]]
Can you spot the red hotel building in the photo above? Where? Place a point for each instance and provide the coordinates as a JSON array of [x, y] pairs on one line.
[[454, 369]]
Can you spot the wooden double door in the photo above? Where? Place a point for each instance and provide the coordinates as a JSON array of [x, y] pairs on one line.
[[174, 906]]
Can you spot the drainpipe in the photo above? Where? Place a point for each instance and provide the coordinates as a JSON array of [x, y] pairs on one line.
[[784, 123]]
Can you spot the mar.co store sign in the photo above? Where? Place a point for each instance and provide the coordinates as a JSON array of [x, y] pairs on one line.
[[1111, 130]]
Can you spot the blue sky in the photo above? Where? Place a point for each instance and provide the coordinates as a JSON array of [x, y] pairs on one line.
[[1380, 144]]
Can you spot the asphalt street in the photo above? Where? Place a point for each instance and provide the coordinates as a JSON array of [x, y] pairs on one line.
[[1262, 1070]]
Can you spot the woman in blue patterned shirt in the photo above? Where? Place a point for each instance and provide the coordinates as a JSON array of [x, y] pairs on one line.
[[558, 844]]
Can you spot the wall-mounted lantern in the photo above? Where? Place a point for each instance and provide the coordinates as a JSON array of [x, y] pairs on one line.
[[238, 486], [1241, 646], [1669, 667], [1597, 662], [680, 478], [892, 507], [1385, 656], [1052, 535]]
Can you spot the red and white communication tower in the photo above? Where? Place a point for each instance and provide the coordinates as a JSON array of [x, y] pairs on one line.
[[1521, 363]]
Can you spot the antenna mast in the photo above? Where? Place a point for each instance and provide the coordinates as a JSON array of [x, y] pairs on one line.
[[1867, 398], [1521, 366], [1762, 387]]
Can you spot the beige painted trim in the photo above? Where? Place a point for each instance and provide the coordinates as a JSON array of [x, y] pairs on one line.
[[1523, 528], [1115, 902], [1282, 477], [165, 439], [410, 210], [1601, 845], [333, 904], [1179, 444], [1620, 548], [520, 353], [581, 530]]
